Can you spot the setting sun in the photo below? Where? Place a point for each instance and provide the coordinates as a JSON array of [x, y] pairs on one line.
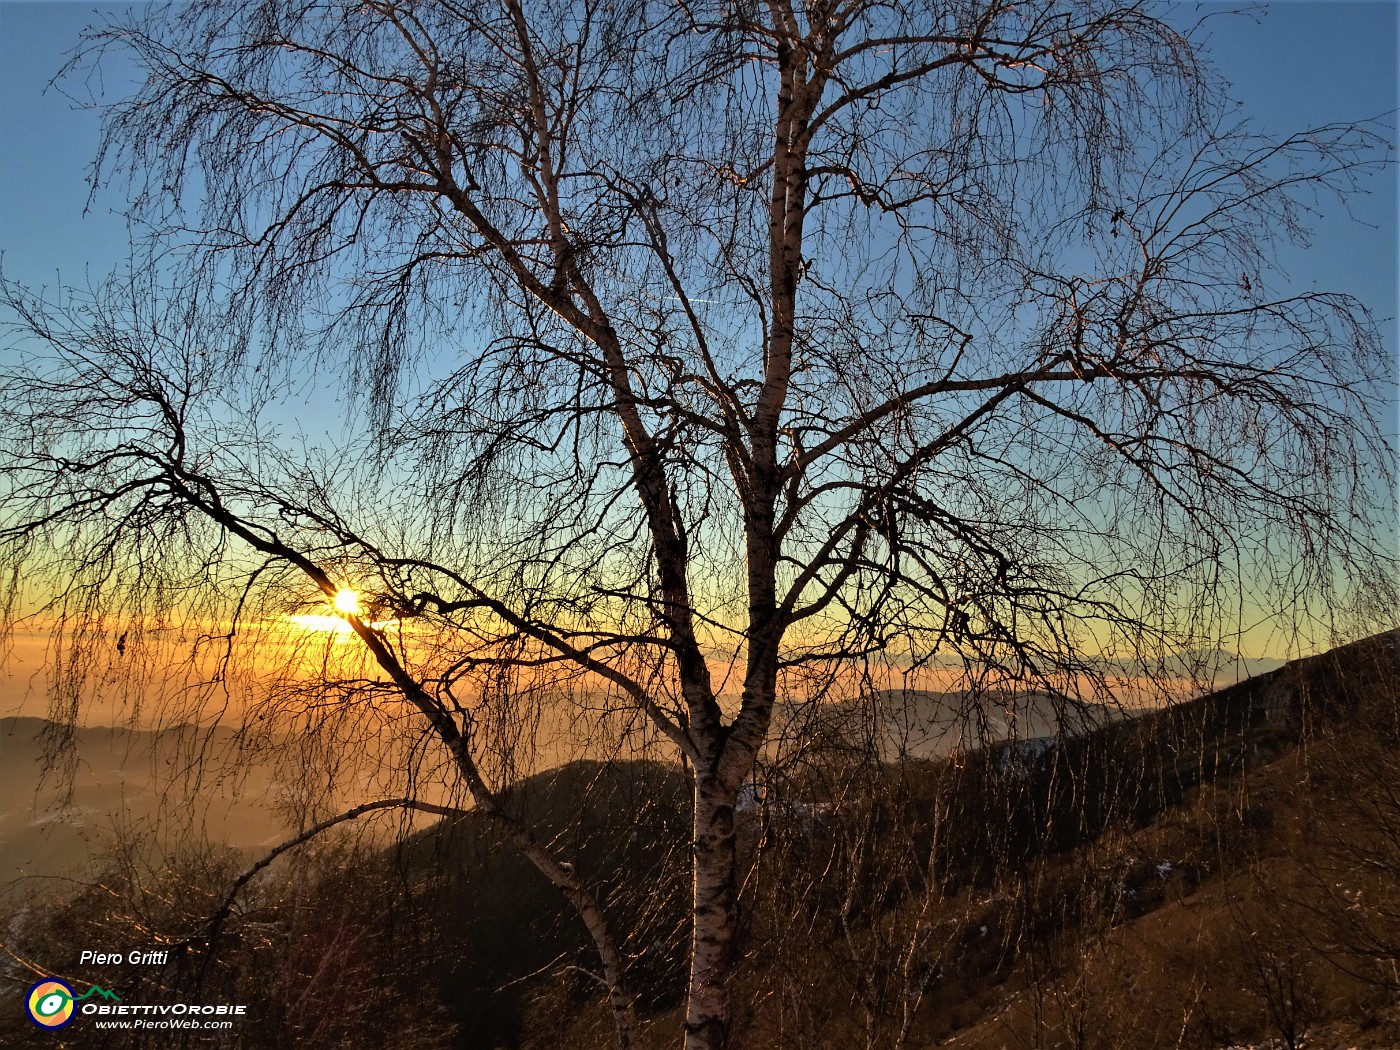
[[346, 602]]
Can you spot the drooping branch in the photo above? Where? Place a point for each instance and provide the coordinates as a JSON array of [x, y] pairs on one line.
[[216, 921]]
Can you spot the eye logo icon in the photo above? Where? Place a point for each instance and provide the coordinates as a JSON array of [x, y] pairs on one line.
[[50, 1004]]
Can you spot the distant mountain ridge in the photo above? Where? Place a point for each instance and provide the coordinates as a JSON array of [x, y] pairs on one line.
[[926, 724]]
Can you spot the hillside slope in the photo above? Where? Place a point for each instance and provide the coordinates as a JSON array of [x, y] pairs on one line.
[[1222, 874]]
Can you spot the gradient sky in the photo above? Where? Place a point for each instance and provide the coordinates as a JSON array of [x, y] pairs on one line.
[[1291, 65]]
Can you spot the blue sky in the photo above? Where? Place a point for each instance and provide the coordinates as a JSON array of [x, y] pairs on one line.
[[46, 149], [1291, 65], [1296, 64]]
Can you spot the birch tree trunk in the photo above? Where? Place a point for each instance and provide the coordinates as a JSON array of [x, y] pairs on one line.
[[715, 914]]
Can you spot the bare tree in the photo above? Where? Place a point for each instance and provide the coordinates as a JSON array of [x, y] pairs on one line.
[[718, 355]]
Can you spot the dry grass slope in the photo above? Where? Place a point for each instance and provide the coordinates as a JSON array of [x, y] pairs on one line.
[[1224, 874]]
